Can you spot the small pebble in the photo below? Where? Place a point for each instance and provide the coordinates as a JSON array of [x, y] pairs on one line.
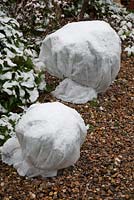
[[32, 195], [2, 184]]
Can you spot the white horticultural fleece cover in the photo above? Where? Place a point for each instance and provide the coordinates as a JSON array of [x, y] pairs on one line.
[[49, 137], [86, 55]]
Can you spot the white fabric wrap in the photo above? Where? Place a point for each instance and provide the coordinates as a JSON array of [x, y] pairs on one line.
[[87, 54], [50, 136], [106, 1]]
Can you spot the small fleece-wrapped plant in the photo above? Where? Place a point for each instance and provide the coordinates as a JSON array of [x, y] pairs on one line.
[[18, 81]]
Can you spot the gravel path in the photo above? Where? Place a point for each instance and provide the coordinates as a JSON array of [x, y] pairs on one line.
[[105, 170]]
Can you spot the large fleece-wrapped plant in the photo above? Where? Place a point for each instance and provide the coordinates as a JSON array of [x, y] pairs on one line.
[[86, 55]]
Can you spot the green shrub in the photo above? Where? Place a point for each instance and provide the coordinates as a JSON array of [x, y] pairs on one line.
[[7, 126], [18, 81]]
